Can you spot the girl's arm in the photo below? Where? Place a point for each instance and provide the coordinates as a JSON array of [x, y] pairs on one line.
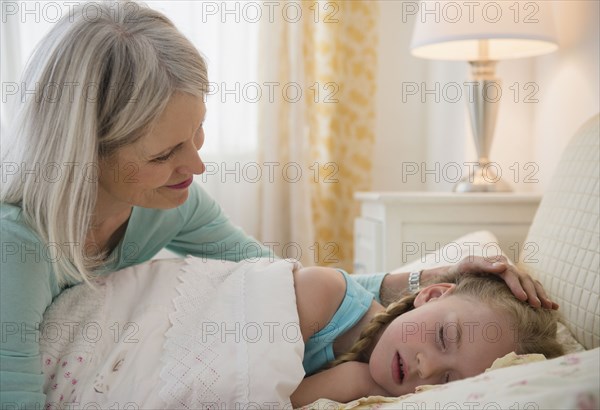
[[319, 293], [343, 383]]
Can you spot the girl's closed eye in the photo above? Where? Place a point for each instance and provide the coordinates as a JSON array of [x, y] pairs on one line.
[[441, 338]]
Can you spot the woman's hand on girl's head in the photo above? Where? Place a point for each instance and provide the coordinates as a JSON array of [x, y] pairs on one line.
[[522, 285]]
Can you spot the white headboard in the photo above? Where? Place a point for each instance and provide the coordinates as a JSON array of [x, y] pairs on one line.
[[565, 236]]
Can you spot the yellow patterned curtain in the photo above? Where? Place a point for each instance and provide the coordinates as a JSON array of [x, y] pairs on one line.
[[340, 63]]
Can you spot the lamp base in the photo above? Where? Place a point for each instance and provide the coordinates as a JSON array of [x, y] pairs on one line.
[[482, 178]]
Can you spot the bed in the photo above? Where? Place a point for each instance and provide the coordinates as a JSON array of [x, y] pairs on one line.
[[136, 345]]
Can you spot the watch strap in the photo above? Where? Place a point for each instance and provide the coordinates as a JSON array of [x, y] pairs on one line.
[[414, 281]]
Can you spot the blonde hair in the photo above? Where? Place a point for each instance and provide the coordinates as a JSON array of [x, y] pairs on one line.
[[535, 327], [102, 76]]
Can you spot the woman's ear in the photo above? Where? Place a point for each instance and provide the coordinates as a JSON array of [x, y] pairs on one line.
[[433, 292]]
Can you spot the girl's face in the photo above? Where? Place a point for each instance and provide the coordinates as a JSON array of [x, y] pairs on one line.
[[156, 170], [445, 338]]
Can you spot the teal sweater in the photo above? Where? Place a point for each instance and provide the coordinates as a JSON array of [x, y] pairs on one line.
[[28, 283]]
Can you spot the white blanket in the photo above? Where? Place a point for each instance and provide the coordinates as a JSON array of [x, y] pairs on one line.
[[191, 334]]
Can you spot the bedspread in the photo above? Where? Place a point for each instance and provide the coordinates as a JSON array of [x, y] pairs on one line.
[[190, 334]]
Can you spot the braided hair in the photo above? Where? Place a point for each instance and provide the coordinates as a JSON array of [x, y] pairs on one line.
[[368, 336]]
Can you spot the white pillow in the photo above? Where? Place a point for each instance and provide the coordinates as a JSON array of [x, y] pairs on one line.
[[566, 382], [479, 243]]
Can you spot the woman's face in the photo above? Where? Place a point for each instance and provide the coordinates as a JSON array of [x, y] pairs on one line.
[[156, 170], [445, 338]]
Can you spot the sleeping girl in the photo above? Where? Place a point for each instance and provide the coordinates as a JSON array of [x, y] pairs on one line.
[[210, 334], [449, 330]]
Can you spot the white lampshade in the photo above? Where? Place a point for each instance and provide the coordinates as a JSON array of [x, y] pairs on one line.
[[446, 30]]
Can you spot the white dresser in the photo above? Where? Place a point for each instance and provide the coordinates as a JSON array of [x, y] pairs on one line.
[[395, 228]]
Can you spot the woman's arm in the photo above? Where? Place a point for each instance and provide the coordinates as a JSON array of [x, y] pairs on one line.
[[26, 289], [343, 383], [207, 232]]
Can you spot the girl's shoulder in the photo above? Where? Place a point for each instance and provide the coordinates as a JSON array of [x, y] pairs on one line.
[[319, 293]]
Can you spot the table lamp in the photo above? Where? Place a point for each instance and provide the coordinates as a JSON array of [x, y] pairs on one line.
[[482, 33]]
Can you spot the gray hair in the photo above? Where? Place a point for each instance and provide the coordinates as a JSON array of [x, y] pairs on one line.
[[102, 76]]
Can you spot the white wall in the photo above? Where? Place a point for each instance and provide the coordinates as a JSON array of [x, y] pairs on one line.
[[529, 135], [401, 127], [573, 78]]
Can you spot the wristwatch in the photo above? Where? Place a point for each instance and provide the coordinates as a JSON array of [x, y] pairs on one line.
[[414, 283]]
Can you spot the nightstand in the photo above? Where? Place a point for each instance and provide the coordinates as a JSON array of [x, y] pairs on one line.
[[395, 228]]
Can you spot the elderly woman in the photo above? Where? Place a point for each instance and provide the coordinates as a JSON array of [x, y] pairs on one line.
[[98, 173]]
